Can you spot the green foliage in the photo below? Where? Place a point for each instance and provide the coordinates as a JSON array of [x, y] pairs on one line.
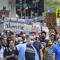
[[51, 4]]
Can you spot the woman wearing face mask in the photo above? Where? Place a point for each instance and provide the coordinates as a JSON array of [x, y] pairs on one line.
[[11, 52], [48, 53], [56, 51]]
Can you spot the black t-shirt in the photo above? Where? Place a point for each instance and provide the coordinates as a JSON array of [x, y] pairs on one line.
[[7, 52]]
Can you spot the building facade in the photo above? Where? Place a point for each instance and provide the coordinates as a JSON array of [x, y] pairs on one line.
[[29, 8], [22, 8], [10, 6]]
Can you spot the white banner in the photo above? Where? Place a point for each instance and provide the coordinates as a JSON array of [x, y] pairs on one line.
[[16, 26]]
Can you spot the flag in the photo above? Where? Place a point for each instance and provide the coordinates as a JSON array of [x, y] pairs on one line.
[[57, 12]]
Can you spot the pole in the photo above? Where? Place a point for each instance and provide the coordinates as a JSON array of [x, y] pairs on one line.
[[21, 12], [21, 5], [41, 27]]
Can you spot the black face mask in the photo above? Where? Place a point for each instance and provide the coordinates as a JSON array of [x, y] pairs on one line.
[[0, 47], [49, 44]]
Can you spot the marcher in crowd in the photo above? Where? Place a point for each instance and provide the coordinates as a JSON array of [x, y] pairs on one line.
[[11, 52], [48, 53], [43, 41], [53, 38], [56, 51], [1, 49], [27, 50], [31, 46], [37, 45]]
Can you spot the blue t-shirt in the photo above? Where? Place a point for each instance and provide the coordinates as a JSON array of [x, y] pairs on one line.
[[21, 50], [56, 50]]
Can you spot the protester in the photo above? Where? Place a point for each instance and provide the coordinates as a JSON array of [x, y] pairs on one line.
[[43, 41], [43, 37], [30, 46], [56, 51], [37, 45], [48, 53], [24, 38], [4, 40], [20, 40], [25, 51], [33, 35], [13, 36], [21, 34], [53, 38], [11, 52], [1, 49]]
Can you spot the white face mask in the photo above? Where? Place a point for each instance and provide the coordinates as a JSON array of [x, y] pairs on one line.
[[21, 42], [59, 41]]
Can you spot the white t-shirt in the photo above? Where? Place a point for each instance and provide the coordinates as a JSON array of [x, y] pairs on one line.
[[1, 53]]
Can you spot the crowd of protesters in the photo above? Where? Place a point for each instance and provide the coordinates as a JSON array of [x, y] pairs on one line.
[[32, 46]]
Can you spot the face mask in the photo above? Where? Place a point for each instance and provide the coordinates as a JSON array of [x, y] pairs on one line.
[[0, 47], [59, 41], [49, 44], [21, 42]]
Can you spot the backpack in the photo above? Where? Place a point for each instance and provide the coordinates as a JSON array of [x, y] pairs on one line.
[[30, 52]]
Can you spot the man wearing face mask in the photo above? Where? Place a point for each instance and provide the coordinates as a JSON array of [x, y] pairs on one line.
[[27, 50], [36, 44], [30, 38]]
